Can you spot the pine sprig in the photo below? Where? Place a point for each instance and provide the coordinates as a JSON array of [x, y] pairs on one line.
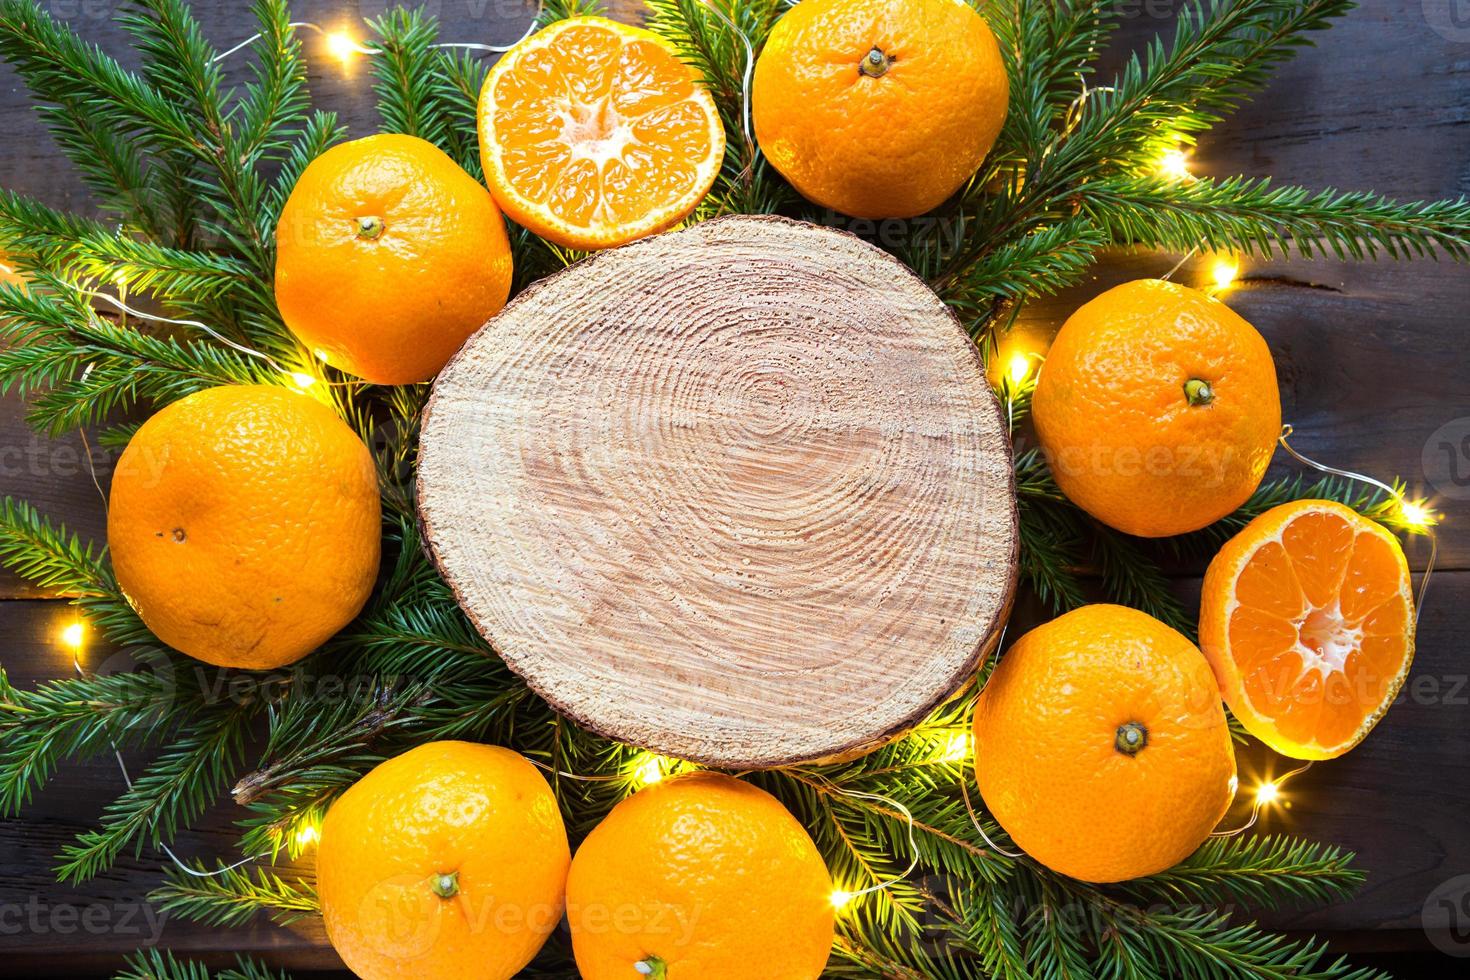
[[1263, 872], [77, 367], [421, 90], [175, 789], [47, 555], [1253, 217], [716, 46], [161, 964], [70, 719], [225, 896]]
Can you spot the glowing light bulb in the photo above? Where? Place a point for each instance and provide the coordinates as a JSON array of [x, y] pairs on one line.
[[1224, 271], [343, 46], [1267, 793], [649, 771], [840, 898], [1415, 515], [302, 380], [1174, 165], [307, 835], [73, 635], [1019, 368], [956, 749]]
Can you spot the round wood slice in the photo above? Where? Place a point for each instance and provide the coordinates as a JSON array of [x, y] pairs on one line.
[[739, 494]]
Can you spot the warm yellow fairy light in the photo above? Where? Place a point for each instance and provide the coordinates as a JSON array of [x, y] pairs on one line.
[[342, 46], [649, 771], [302, 379], [1019, 367], [840, 898], [1415, 515], [74, 635], [1267, 793], [307, 835], [956, 748], [1174, 165], [1224, 271]]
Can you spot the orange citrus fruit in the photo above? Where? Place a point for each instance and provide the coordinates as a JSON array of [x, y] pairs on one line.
[[388, 256], [1101, 746], [879, 108], [1157, 408], [243, 524], [448, 861], [594, 133], [700, 877], [1307, 617]]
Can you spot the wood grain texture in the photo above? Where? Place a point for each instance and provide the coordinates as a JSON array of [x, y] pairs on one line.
[[737, 494]]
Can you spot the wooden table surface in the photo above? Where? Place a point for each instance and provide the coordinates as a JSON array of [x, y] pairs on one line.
[[1374, 377]]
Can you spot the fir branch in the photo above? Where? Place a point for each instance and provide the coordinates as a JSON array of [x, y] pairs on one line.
[[59, 66], [47, 555], [707, 41], [320, 132], [43, 240], [993, 933], [1053, 536], [1133, 578], [78, 367], [182, 67], [224, 896], [71, 719], [463, 77], [1369, 502], [1046, 261], [415, 93], [1055, 947], [1222, 51], [1261, 871], [273, 111], [1048, 49], [175, 789], [1252, 216], [1192, 943], [157, 964], [1050, 554], [112, 165], [555, 10]]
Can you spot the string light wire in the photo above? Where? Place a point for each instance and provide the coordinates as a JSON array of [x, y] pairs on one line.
[[975, 819], [842, 897], [342, 44], [745, 79], [1265, 795]]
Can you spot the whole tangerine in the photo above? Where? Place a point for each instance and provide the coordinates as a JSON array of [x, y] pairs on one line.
[[388, 256], [879, 108], [244, 525], [1101, 745]]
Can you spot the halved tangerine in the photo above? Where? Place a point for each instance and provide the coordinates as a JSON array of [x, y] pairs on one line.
[[1307, 618], [594, 133]]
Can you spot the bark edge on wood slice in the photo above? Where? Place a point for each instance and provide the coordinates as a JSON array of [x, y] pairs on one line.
[[739, 494]]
